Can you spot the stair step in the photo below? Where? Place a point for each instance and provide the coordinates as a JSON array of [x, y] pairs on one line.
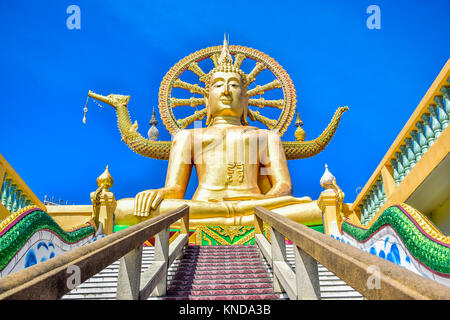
[[224, 250], [340, 294], [221, 248], [214, 268], [343, 288], [327, 274], [103, 284], [226, 297], [221, 258], [221, 276], [343, 298], [216, 264], [334, 282], [110, 296], [84, 290], [220, 281], [209, 287], [233, 247], [238, 269], [220, 292], [220, 254]]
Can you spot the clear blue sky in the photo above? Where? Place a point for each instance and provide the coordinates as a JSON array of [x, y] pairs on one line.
[[127, 47]]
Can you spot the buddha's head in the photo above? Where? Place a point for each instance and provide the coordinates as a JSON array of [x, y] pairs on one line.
[[226, 86]]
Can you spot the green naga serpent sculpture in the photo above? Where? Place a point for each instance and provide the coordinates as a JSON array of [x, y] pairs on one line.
[[161, 149]]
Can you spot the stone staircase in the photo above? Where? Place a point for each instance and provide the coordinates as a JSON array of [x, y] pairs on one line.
[[213, 272], [221, 273], [331, 287]]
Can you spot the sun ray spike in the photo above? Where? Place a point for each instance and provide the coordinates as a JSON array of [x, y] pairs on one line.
[[193, 102], [238, 60], [193, 88], [194, 67], [270, 123], [215, 59], [261, 89], [261, 103], [256, 70]]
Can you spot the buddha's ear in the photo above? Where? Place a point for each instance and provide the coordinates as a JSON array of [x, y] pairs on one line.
[[208, 112], [244, 119]]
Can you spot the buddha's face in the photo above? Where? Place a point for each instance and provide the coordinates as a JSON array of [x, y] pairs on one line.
[[227, 95]]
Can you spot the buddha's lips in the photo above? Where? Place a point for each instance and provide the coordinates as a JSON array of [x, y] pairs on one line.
[[226, 100]]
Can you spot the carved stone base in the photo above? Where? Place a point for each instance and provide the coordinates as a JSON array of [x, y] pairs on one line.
[[219, 235]]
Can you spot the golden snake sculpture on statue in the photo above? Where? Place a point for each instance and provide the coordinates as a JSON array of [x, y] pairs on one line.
[[239, 166]]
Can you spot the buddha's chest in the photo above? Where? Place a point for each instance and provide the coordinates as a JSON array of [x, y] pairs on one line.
[[233, 145], [232, 158]]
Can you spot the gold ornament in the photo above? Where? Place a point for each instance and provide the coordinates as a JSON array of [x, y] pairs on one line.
[[228, 187]]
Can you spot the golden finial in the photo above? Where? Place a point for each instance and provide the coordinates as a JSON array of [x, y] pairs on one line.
[[153, 132], [299, 132], [105, 181], [298, 121], [153, 120], [224, 64], [328, 180], [225, 56]]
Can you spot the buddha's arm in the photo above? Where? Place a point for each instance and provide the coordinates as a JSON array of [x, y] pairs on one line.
[[178, 174], [278, 170], [180, 166]]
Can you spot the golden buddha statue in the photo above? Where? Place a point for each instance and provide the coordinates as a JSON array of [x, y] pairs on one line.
[[238, 166]]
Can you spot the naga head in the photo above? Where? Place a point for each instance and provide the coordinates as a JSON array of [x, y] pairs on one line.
[[114, 100]]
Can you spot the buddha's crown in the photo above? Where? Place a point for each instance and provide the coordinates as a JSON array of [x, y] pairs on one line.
[[225, 64]]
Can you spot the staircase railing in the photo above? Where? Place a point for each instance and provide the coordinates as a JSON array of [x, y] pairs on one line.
[[373, 277], [424, 137], [14, 192], [55, 277]]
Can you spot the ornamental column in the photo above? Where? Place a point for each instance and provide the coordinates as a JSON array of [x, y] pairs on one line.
[[330, 202], [104, 203]]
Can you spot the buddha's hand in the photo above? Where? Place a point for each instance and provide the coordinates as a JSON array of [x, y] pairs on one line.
[[146, 201]]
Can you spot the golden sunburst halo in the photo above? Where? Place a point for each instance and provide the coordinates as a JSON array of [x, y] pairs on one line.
[[262, 61]]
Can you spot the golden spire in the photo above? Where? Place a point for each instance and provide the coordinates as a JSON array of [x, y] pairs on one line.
[[224, 64], [299, 133], [225, 56], [153, 120], [298, 121], [105, 180], [328, 180], [153, 132]]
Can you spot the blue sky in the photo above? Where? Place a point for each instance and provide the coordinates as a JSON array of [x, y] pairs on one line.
[[127, 47]]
